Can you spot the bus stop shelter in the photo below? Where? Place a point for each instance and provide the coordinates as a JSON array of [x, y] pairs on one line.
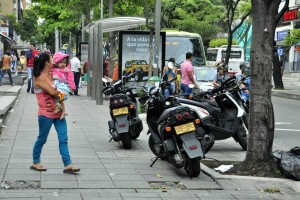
[[95, 51]]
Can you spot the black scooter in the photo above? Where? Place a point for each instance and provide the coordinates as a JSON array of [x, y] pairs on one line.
[[172, 130], [125, 124], [224, 117]]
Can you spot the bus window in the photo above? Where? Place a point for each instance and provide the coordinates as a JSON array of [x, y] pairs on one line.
[[233, 54], [177, 47], [212, 55]]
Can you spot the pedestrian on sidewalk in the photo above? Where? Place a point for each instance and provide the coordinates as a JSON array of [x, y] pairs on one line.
[[6, 64], [30, 55], [46, 95], [76, 69]]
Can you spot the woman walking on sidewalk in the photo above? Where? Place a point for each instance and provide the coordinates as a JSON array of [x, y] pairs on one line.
[[6, 64], [46, 95]]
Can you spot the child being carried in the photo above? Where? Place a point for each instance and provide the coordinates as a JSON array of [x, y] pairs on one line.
[[63, 79]]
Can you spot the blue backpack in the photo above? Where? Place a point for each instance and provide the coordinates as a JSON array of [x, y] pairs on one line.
[[28, 54]]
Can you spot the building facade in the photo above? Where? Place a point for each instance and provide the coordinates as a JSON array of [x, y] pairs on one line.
[[8, 36], [290, 21]]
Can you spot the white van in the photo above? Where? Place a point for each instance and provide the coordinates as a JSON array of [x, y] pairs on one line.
[[214, 56]]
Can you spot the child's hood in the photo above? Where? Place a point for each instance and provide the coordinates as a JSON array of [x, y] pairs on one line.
[[58, 56]]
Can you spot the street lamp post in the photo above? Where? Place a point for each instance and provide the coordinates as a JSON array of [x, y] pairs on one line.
[[157, 36]]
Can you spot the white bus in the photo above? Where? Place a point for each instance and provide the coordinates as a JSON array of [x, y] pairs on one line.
[[178, 43], [214, 56]]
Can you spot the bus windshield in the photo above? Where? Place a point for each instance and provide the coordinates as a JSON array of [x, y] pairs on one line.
[[212, 54], [177, 47]]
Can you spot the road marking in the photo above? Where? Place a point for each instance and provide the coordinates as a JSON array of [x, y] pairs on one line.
[[282, 129], [280, 123]]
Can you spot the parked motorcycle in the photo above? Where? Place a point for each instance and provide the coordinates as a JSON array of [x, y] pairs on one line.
[[125, 124], [223, 117], [172, 130]]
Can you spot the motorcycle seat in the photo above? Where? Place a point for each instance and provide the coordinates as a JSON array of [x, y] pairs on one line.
[[166, 113], [210, 107]]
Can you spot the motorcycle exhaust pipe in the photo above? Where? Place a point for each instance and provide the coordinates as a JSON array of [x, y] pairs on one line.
[[207, 139], [135, 121]]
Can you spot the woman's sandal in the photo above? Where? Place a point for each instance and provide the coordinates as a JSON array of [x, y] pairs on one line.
[[39, 168], [72, 170]]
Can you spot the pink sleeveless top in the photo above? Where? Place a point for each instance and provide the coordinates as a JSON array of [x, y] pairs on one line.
[[46, 103]]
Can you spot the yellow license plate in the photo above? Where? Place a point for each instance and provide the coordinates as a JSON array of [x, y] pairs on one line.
[[120, 111], [185, 128]]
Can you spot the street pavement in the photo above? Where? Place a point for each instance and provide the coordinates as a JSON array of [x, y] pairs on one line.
[[107, 170]]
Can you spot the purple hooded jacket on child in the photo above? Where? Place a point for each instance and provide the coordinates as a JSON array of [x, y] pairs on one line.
[[64, 75]]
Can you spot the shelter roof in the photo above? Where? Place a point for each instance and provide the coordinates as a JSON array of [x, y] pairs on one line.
[[117, 23]]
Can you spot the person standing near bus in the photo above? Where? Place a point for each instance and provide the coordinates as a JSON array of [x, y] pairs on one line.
[[187, 74]]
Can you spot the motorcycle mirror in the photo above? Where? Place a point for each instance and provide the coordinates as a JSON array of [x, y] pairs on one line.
[[143, 100]]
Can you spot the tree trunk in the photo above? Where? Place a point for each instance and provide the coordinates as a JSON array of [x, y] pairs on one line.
[[277, 73], [261, 128], [228, 47], [77, 43], [151, 48]]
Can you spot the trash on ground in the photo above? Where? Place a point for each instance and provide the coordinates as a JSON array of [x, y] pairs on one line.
[[223, 168]]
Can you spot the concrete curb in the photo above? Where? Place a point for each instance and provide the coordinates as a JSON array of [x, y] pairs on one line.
[[6, 102], [285, 95], [14, 91], [215, 175], [295, 185]]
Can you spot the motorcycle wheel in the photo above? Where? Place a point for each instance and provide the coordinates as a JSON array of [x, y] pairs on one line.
[[152, 148], [192, 167], [242, 137], [126, 140]]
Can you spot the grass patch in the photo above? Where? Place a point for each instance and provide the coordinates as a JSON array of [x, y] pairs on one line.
[[271, 190]]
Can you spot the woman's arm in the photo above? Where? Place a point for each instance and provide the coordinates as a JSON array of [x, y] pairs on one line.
[[39, 82], [71, 82]]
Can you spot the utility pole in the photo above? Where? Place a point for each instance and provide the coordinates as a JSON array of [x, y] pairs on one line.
[[157, 37], [82, 26], [101, 9], [56, 40]]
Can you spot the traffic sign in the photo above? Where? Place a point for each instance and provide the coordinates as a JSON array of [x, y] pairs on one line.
[[280, 51]]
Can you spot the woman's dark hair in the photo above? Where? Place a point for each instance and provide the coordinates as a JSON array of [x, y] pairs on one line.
[[40, 63], [8, 53]]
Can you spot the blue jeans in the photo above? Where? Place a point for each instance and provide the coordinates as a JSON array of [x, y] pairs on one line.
[[9, 75], [170, 91], [185, 89], [60, 125], [30, 79]]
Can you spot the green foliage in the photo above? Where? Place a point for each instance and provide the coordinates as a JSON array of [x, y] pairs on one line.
[[27, 27], [220, 41], [293, 37], [193, 16]]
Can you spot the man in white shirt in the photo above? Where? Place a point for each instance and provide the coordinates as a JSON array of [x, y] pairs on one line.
[[76, 69]]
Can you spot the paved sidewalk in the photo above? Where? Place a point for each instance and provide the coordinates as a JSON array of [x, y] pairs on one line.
[[291, 88], [108, 171]]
